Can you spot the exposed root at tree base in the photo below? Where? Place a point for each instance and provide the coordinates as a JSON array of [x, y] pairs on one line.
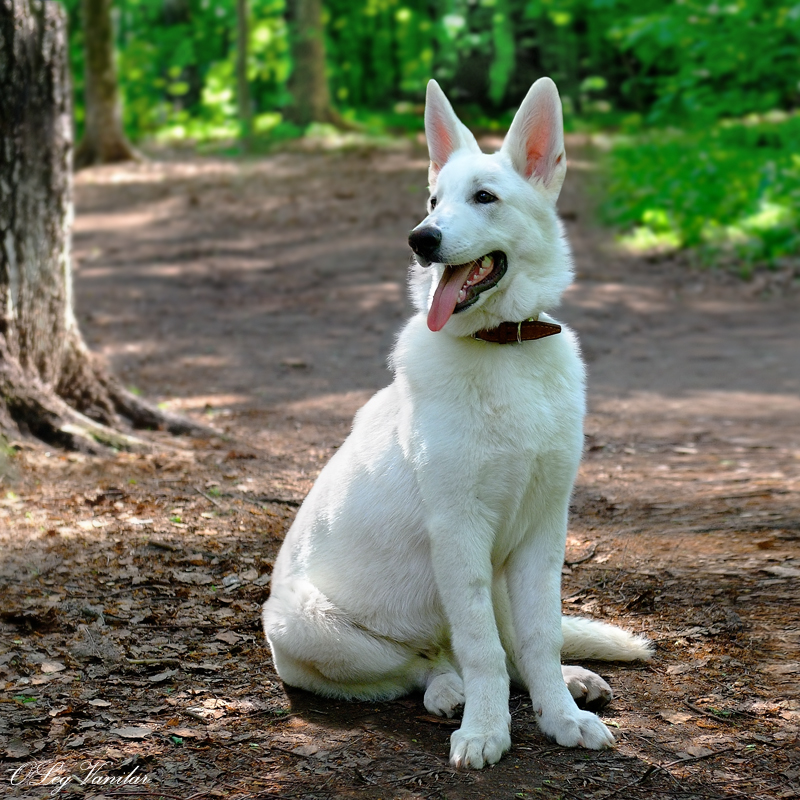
[[86, 412]]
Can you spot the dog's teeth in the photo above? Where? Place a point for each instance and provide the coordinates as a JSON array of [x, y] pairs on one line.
[[486, 262]]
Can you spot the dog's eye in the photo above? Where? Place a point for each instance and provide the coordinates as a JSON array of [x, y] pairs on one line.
[[433, 202], [484, 197]]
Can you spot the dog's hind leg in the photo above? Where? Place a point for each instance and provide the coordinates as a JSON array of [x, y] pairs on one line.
[[317, 648], [445, 690]]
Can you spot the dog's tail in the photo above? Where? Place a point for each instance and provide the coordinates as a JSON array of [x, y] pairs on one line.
[[587, 638]]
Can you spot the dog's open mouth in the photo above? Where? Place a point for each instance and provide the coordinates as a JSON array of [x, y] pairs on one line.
[[462, 284]]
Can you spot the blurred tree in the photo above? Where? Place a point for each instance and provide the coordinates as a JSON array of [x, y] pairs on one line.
[[308, 84], [50, 384], [242, 84], [104, 140]]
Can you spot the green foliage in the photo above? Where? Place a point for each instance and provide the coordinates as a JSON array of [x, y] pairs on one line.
[[703, 59], [721, 185], [731, 190], [666, 60], [176, 65]]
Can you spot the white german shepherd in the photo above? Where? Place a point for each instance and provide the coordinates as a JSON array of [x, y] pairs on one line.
[[428, 554]]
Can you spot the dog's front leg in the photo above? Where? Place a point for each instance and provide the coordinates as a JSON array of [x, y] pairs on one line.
[[463, 571], [534, 585]]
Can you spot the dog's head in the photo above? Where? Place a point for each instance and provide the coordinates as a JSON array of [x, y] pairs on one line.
[[491, 248]]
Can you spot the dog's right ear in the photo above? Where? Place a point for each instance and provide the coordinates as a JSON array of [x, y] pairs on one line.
[[444, 131]]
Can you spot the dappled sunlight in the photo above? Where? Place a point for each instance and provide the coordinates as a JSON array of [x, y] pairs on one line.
[[204, 402], [112, 222], [342, 404], [731, 405]]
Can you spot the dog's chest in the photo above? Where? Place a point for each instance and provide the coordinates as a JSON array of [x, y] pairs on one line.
[[493, 427]]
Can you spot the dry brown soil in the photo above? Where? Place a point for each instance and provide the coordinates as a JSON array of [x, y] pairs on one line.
[[263, 297]]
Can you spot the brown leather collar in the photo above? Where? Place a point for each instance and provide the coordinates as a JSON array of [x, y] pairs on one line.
[[507, 332]]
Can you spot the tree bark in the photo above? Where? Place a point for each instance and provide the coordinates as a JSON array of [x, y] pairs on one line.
[[51, 386], [242, 84], [308, 84], [104, 140]]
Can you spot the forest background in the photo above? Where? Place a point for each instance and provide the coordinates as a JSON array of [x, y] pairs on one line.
[[699, 98]]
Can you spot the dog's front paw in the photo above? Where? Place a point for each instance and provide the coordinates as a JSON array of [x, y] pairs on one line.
[[587, 688], [576, 728], [474, 749], [444, 694]]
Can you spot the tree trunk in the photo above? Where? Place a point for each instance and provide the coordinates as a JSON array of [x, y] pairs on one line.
[[308, 84], [50, 384], [242, 84], [104, 140]]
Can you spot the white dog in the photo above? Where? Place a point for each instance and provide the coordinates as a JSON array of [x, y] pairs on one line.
[[428, 554]]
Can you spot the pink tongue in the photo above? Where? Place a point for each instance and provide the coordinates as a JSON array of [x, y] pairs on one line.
[[446, 297]]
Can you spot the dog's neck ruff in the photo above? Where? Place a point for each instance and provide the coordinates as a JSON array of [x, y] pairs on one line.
[[509, 332]]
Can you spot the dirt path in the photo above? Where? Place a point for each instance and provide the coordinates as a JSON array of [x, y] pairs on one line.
[[264, 297]]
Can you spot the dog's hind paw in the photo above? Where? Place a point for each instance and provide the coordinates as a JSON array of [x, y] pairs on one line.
[[587, 688], [475, 750], [577, 729], [444, 694]]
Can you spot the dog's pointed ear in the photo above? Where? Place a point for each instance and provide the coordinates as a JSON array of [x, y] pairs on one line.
[[444, 131], [535, 140]]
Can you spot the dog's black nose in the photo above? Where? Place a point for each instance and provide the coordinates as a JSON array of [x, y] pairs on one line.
[[425, 242]]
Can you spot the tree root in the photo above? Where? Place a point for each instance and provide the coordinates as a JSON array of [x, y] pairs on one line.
[[33, 410], [142, 414], [88, 410]]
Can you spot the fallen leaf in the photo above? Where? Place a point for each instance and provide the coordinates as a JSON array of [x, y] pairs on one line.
[[310, 750], [132, 732], [16, 748], [188, 733], [98, 703], [229, 637], [163, 676], [790, 668], [49, 667], [675, 717], [696, 750], [196, 578], [782, 572], [206, 665]]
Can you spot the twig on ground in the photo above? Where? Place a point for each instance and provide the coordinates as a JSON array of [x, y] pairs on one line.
[[709, 714], [208, 497], [585, 558], [281, 501]]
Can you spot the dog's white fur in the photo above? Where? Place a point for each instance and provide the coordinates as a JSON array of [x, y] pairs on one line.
[[428, 553]]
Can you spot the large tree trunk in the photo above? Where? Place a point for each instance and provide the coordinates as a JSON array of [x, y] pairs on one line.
[[308, 84], [104, 140], [50, 384]]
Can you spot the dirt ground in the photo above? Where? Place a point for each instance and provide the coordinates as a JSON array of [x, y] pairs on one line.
[[263, 297]]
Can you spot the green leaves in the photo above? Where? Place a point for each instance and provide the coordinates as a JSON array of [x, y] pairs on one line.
[[731, 190]]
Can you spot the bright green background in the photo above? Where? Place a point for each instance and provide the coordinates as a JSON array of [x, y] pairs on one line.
[[699, 97]]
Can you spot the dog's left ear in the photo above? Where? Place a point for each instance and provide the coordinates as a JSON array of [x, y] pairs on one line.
[[535, 140]]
